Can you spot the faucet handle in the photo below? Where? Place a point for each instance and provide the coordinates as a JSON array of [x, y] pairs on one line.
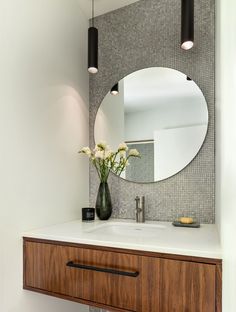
[[138, 200]]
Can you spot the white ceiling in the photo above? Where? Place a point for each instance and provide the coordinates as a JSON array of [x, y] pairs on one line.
[[102, 6], [160, 87]]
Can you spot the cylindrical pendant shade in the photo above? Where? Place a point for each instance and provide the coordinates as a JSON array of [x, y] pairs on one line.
[[187, 24], [93, 50], [115, 89]]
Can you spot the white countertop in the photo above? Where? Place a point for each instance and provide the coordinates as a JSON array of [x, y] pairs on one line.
[[200, 242]]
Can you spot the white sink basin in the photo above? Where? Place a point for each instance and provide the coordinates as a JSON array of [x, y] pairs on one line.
[[136, 230]]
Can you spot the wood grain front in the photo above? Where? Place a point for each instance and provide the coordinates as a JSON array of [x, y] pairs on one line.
[[218, 288], [111, 289], [46, 269], [187, 286], [150, 284], [181, 284]]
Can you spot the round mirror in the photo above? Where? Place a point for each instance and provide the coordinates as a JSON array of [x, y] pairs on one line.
[[160, 112]]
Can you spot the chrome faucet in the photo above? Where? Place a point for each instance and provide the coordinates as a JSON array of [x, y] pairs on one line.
[[140, 209]]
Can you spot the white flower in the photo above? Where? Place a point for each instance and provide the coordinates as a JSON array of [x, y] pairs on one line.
[[122, 147], [122, 153], [86, 150], [102, 145], [108, 154], [134, 152], [100, 154], [105, 160]]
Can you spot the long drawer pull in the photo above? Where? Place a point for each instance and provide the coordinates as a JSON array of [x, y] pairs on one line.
[[105, 270]]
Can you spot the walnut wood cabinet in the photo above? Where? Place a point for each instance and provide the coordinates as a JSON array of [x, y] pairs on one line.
[[122, 280]]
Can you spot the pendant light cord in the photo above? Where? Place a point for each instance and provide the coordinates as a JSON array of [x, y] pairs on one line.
[[93, 13]]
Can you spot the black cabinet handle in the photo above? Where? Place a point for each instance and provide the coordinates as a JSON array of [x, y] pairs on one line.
[[105, 270]]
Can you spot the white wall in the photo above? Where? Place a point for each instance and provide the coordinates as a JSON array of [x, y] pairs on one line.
[[43, 123], [140, 125], [184, 143], [226, 145]]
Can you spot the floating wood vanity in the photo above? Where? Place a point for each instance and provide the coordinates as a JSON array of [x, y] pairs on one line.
[[120, 279]]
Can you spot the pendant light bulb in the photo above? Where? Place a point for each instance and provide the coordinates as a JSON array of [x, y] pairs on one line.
[[187, 24], [92, 46], [115, 89], [92, 70], [187, 45]]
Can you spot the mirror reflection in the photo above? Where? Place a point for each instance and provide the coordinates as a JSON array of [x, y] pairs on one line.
[[162, 113]]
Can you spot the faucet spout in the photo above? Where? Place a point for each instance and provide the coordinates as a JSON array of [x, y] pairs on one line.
[[140, 209]]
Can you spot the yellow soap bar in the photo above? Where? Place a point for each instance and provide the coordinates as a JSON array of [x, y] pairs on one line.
[[186, 220]]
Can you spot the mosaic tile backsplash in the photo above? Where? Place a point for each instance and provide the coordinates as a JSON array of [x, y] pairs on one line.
[[147, 34]]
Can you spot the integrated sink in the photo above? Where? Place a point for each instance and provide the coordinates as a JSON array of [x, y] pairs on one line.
[[128, 229]]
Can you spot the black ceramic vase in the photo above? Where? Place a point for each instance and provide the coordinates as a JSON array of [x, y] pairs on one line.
[[103, 203]]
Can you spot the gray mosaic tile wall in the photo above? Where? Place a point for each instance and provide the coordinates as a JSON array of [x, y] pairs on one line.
[[147, 34]]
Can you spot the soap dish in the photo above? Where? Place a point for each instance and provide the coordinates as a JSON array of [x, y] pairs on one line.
[[191, 225]]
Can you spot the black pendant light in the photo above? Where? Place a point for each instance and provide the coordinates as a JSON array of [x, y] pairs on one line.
[[187, 24], [115, 89], [92, 46]]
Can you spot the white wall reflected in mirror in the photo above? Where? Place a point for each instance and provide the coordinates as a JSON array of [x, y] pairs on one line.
[[159, 112]]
